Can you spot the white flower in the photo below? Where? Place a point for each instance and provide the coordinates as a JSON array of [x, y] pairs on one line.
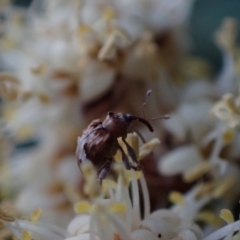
[[179, 160], [190, 119]]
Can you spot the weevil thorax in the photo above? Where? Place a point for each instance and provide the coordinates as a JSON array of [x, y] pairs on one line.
[[118, 123]]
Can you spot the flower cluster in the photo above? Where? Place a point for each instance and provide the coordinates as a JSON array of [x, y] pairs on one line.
[[65, 63]]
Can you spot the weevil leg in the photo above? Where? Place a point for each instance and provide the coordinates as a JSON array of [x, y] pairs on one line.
[[132, 154], [127, 163], [104, 170], [131, 151], [125, 159]]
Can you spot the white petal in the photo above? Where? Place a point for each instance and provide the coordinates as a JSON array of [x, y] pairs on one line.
[[79, 225], [176, 125], [82, 237], [196, 117], [179, 160], [187, 235], [68, 171], [167, 230], [96, 80], [142, 234]]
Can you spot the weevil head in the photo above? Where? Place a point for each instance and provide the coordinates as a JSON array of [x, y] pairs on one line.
[[118, 123]]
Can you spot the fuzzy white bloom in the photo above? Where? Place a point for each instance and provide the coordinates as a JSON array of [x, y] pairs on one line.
[[190, 120], [179, 160], [118, 217]]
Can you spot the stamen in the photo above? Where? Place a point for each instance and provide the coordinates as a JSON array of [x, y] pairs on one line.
[[104, 232], [228, 98], [197, 172], [228, 136], [119, 225], [82, 207], [83, 29], [227, 216], [205, 188], [176, 197], [146, 200], [208, 217], [148, 148], [108, 13], [26, 235], [117, 207], [137, 174], [108, 185], [108, 49], [224, 187], [35, 215], [136, 201]]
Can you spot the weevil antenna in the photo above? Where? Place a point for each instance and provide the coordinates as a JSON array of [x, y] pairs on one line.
[[157, 118], [144, 121], [145, 103]]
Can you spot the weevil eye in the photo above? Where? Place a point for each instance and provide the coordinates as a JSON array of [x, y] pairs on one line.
[[110, 114], [128, 118]]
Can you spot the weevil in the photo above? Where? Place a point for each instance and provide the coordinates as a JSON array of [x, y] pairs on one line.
[[98, 143]]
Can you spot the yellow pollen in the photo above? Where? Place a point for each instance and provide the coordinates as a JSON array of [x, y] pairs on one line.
[[43, 98], [35, 215], [138, 175], [108, 13], [83, 29], [148, 148], [82, 207], [176, 197], [87, 169], [228, 98], [208, 217], [205, 188], [26, 235], [132, 140], [224, 187], [196, 172], [108, 183], [228, 136], [117, 208], [24, 132], [227, 216]]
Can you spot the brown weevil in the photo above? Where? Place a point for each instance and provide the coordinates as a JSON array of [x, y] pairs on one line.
[[98, 143]]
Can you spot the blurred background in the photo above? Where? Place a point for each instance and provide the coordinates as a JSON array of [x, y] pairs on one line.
[[66, 63]]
